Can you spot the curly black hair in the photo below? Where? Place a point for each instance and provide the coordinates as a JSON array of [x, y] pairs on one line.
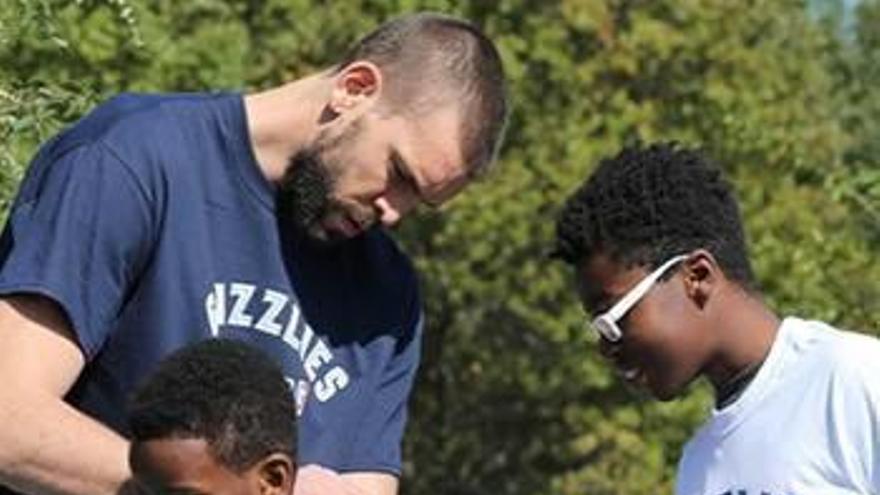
[[650, 203], [223, 391]]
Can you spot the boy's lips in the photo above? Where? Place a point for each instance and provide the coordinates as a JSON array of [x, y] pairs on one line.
[[629, 371], [625, 367], [630, 374]]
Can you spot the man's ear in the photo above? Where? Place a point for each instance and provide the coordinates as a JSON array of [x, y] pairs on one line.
[[357, 84], [277, 473], [702, 276]]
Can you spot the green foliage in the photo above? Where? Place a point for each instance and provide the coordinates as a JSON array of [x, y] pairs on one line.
[[32, 108], [512, 398], [858, 72]]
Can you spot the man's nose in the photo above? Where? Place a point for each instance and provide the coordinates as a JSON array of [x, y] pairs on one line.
[[389, 213]]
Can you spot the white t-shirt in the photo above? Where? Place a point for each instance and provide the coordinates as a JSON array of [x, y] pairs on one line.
[[808, 424]]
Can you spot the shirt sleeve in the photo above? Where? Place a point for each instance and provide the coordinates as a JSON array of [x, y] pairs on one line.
[[78, 233], [359, 351], [854, 411], [379, 442], [869, 437]]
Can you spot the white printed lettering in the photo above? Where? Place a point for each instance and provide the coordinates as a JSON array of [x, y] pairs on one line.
[[229, 304], [335, 380], [276, 301], [215, 308], [306, 341], [318, 356], [290, 332], [242, 294]]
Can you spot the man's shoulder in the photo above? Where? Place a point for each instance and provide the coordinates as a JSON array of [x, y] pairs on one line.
[[132, 120], [151, 134]]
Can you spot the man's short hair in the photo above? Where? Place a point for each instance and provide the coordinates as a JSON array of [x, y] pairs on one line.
[[648, 204], [225, 392], [431, 60]]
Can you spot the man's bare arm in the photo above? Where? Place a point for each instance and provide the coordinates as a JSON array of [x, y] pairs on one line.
[[371, 483], [316, 480], [46, 446]]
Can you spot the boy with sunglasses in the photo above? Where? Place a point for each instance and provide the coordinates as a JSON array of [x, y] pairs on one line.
[[657, 244]]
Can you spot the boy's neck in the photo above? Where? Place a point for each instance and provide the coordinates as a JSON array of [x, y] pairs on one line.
[[746, 331]]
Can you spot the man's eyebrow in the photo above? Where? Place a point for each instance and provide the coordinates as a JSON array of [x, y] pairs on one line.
[[405, 171]]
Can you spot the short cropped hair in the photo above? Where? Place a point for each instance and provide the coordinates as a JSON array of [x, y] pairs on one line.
[[426, 52], [223, 391], [650, 203]]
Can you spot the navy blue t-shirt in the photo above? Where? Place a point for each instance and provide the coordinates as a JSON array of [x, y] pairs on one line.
[[151, 225]]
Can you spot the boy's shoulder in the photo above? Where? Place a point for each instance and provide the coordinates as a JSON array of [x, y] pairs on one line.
[[840, 352]]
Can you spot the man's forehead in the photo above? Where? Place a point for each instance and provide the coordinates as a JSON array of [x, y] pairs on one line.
[[440, 133], [446, 187], [436, 156]]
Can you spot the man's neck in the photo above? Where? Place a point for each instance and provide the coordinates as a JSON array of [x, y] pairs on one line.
[[283, 120]]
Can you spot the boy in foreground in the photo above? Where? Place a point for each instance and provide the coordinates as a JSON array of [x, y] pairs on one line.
[[216, 418], [657, 244]]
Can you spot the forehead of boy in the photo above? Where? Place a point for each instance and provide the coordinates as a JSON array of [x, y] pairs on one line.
[[180, 466], [601, 280]]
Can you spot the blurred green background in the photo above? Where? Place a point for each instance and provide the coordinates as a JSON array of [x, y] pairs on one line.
[[512, 398]]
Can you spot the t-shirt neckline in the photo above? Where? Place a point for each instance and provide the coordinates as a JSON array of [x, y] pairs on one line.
[[723, 421], [244, 160]]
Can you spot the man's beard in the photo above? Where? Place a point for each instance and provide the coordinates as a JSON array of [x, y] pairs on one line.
[[304, 195]]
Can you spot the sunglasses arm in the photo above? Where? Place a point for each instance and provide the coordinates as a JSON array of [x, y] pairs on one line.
[[618, 310]]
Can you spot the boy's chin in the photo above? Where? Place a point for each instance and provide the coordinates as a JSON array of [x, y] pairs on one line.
[[664, 392]]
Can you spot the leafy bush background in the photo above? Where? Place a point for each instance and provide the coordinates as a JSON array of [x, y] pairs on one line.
[[512, 398]]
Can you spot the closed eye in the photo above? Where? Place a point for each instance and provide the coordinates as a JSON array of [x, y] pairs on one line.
[[401, 172]]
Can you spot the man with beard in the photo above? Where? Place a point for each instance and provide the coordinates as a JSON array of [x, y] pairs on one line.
[[660, 261], [160, 220]]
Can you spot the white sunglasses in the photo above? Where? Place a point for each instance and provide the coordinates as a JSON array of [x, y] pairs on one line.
[[606, 324]]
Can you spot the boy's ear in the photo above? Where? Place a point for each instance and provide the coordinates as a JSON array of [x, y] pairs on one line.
[[702, 274], [277, 473]]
